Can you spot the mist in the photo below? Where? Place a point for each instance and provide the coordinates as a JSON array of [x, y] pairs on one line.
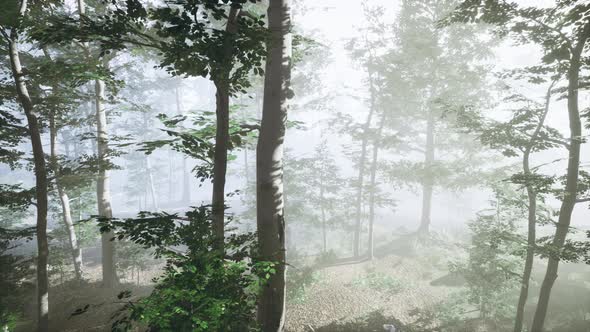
[[294, 165]]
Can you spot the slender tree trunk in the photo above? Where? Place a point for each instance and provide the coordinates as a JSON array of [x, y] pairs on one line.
[[361, 172], [103, 188], [246, 160], [323, 213], [186, 191], [373, 185], [63, 196], [532, 219], [569, 196], [148, 168], [222, 136], [151, 185], [269, 165], [220, 163], [40, 177], [427, 185], [170, 176], [65, 202]]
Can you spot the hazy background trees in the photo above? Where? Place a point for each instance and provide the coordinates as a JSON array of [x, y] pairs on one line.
[[294, 158]]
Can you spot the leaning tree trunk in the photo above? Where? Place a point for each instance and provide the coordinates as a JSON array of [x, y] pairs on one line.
[[40, 177], [222, 95], [103, 188], [571, 185], [532, 219], [427, 184], [269, 165], [65, 201]]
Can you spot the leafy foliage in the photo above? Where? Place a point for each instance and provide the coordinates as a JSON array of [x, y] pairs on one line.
[[189, 36], [379, 281], [197, 141], [494, 258], [200, 289], [15, 270]]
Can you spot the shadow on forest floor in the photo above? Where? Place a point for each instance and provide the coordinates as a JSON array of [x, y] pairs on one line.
[[373, 321], [71, 296]]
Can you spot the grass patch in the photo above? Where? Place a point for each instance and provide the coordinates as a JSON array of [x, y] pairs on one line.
[[379, 281], [298, 280]]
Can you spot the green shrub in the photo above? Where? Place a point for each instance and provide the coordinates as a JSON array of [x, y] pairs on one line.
[[201, 289], [378, 281], [326, 258], [15, 271], [298, 280]]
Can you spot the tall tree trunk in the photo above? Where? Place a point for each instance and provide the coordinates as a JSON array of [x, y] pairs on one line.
[[427, 185], [151, 184], [373, 185], [361, 171], [323, 213], [220, 163], [246, 160], [40, 176], [532, 219], [186, 191], [569, 196], [65, 201], [103, 188], [269, 165], [222, 135], [63, 196], [148, 168]]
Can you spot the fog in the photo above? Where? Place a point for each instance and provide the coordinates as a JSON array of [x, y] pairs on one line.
[[406, 165]]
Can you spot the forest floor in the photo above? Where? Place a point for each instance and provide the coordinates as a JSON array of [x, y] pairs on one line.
[[359, 296], [337, 298]]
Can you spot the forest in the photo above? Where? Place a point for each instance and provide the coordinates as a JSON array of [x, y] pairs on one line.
[[294, 165]]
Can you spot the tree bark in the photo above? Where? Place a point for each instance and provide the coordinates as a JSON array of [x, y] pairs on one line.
[[149, 173], [361, 171], [103, 188], [427, 185], [323, 213], [40, 176], [63, 196], [532, 219], [186, 192], [373, 184], [103, 195], [269, 165], [222, 135], [220, 163], [151, 184], [571, 185], [65, 202]]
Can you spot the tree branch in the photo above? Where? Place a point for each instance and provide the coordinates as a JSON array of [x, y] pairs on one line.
[[4, 34], [544, 25]]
